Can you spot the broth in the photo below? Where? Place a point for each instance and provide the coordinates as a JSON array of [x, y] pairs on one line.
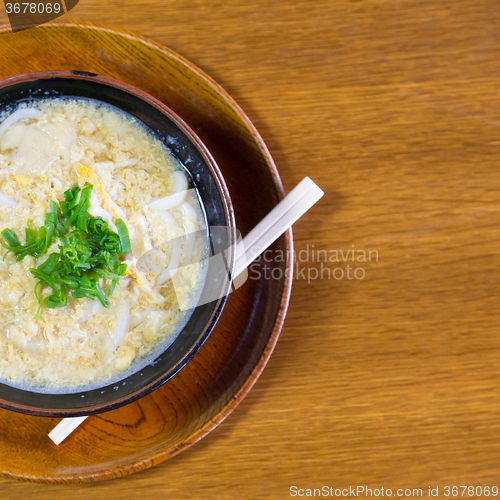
[[46, 148]]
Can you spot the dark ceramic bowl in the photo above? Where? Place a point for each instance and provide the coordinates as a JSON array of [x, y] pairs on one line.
[[205, 177]]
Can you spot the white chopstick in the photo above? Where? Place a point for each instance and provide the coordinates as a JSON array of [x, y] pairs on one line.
[[266, 232], [276, 222], [64, 428]]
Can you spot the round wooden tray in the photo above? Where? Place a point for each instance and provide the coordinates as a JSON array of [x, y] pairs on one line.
[[197, 399]]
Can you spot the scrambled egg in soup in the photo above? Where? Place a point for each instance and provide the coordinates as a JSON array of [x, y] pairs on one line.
[[46, 149]]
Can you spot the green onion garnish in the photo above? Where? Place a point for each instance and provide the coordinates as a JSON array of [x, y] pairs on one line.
[[10, 238], [124, 237], [88, 251]]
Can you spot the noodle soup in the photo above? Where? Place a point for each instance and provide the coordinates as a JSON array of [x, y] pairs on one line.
[[53, 154]]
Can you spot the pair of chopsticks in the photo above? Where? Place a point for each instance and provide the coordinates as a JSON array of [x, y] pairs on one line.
[[264, 234], [300, 199]]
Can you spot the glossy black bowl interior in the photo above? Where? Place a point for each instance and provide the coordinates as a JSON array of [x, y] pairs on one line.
[[205, 177]]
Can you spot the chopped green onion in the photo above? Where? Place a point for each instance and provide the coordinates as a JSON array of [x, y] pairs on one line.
[[61, 229], [49, 265], [70, 283], [29, 235], [87, 253], [101, 296], [10, 238], [124, 237]]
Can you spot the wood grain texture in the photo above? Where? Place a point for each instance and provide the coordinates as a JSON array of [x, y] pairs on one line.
[[393, 108]]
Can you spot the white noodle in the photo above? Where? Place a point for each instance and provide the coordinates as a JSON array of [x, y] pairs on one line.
[[175, 199], [143, 316], [7, 200], [190, 240], [139, 318], [175, 258], [122, 326], [92, 307], [20, 114], [189, 212], [169, 221], [169, 201], [114, 190], [96, 210], [180, 180], [127, 163]]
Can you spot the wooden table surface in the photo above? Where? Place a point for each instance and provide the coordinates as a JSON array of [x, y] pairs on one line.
[[390, 377]]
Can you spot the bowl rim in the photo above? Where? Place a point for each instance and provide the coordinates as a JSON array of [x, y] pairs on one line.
[[230, 254]]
